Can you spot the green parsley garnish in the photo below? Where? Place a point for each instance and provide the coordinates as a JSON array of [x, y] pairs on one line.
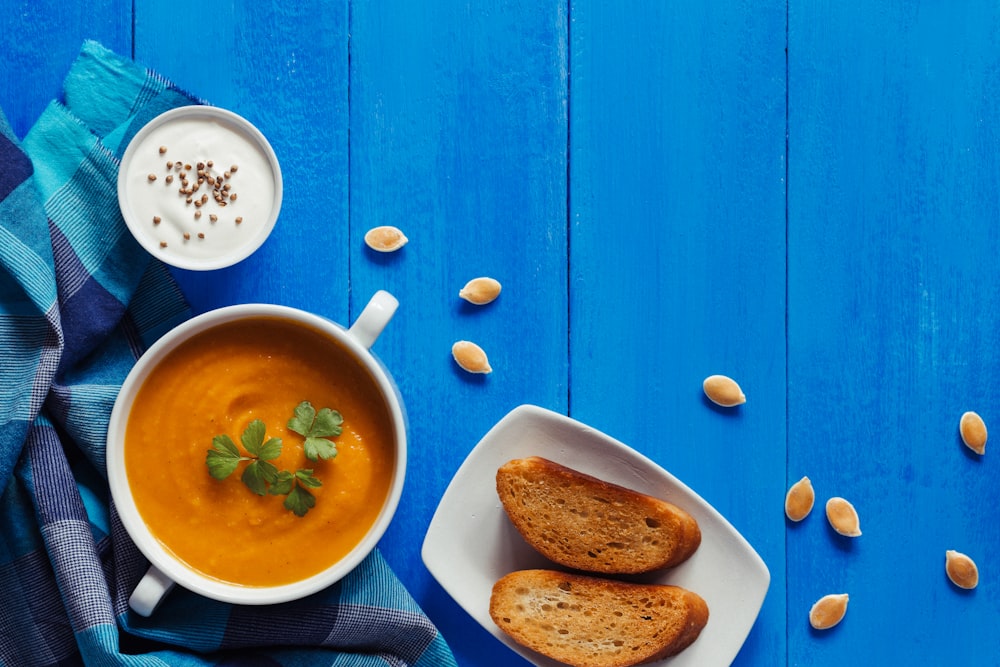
[[263, 477], [316, 427]]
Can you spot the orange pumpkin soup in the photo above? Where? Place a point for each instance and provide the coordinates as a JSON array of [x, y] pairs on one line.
[[218, 382]]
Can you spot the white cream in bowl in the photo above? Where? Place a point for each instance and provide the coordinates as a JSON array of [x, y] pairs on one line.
[[207, 225]]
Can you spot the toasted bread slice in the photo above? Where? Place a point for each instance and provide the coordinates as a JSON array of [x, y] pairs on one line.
[[594, 622], [584, 523]]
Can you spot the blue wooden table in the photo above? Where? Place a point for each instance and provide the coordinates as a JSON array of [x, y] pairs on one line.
[[802, 195]]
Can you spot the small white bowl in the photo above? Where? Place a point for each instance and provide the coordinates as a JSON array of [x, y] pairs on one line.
[[191, 235], [471, 543]]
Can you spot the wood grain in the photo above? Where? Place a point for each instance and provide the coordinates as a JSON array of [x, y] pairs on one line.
[[677, 258], [458, 137], [892, 319], [38, 42]]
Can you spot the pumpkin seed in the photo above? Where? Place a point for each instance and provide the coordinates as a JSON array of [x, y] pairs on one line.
[[799, 500], [961, 569], [470, 357], [723, 391], [480, 291], [843, 517], [385, 238], [973, 431], [828, 611]]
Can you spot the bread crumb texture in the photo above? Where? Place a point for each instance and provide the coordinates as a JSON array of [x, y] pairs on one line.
[[594, 622], [584, 523]]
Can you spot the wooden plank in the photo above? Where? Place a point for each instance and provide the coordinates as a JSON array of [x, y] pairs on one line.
[[38, 42], [893, 175], [677, 266], [458, 137], [283, 67]]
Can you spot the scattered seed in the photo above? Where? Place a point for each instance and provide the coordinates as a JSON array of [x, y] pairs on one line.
[[385, 239], [198, 203], [187, 166], [163, 149], [233, 169], [843, 517], [232, 197], [239, 219], [723, 391], [828, 611], [170, 165], [973, 431], [163, 244], [188, 200], [170, 178], [201, 235], [201, 166], [186, 236], [799, 500], [209, 163], [156, 219], [470, 357], [197, 214], [480, 291], [213, 217], [961, 569], [151, 177]]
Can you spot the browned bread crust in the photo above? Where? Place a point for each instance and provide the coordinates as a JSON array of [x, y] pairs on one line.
[[584, 523], [593, 622]]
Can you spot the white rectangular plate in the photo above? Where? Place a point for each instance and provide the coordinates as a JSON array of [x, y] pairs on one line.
[[471, 543]]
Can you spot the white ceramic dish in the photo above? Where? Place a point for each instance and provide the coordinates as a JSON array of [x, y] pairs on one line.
[[172, 223], [471, 543], [166, 569]]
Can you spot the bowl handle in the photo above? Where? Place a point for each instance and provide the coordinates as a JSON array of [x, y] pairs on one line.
[[150, 591], [373, 318]]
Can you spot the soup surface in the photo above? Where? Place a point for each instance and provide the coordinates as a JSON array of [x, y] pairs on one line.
[[217, 383]]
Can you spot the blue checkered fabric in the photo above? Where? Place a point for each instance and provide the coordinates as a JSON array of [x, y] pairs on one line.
[[79, 302]]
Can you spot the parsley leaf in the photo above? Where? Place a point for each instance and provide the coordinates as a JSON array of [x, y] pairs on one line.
[[282, 484], [270, 450], [223, 458], [253, 437], [327, 424], [319, 448], [306, 478], [316, 428], [299, 501], [302, 421], [253, 477]]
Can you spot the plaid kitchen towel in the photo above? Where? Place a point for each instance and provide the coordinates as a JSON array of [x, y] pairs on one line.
[[79, 302]]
